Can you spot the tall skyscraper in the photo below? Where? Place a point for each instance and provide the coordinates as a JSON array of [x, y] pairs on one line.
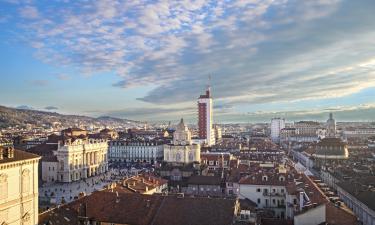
[[206, 130], [276, 125]]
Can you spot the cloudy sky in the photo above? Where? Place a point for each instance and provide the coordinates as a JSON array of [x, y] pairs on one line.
[[150, 60]]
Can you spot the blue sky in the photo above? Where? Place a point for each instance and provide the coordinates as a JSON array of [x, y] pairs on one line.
[[150, 60]]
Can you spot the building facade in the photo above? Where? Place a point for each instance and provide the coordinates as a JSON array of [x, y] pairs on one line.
[[360, 201], [76, 159], [277, 124], [135, 151], [205, 112], [18, 187], [182, 150], [268, 191]]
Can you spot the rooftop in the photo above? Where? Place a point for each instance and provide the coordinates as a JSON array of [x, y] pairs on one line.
[[18, 156], [137, 209]]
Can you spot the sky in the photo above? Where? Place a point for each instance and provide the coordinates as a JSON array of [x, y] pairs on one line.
[[150, 60]]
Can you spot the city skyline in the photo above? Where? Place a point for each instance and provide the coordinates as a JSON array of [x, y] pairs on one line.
[[150, 60]]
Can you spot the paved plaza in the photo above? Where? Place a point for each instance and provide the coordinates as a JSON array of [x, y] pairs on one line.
[[57, 193]]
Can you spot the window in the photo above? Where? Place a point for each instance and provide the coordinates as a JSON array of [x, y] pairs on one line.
[[258, 189], [282, 190], [211, 163], [25, 181], [178, 157], [274, 190], [191, 156], [3, 186], [258, 201]]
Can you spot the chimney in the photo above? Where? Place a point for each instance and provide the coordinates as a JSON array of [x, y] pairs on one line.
[[1, 153], [9, 152], [117, 198], [146, 188]]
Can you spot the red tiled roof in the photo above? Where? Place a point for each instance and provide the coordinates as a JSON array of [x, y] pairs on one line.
[[338, 216], [140, 209]]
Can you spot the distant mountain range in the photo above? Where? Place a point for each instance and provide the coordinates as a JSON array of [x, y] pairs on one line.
[[23, 116]]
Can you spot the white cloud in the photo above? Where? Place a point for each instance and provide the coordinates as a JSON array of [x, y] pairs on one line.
[[258, 50], [29, 12]]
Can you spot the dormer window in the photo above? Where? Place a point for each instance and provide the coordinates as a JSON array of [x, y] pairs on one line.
[[282, 178], [264, 178]]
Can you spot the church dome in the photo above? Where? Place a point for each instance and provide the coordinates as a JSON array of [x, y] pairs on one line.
[[182, 135], [331, 148]]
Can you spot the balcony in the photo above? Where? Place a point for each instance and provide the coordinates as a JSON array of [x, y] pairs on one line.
[[279, 206], [273, 194]]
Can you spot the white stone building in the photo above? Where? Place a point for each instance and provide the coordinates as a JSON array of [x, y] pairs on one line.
[[182, 150], [277, 124], [18, 187], [75, 159], [266, 190], [135, 151]]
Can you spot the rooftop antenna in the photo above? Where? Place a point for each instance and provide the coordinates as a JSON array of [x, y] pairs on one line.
[[208, 91], [209, 82]]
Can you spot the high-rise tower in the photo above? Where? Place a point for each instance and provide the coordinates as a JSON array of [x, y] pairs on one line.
[[277, 124], [206, 130]]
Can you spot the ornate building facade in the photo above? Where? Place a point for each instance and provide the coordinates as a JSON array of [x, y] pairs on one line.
[[18, 187], [182, 150], [181, 157], [77, 158], [135, 151]]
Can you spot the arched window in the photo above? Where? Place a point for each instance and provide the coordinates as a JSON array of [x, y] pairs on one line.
[[25, 181], [178, 157], [191, 156], [3, 186]]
